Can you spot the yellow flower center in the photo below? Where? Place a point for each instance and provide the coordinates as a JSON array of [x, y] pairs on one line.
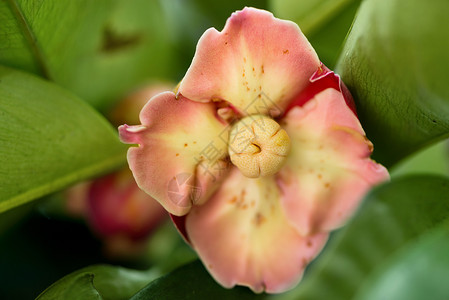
[[258, 146]]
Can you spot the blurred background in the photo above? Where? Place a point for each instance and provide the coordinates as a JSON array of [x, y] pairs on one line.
[[116, 54]]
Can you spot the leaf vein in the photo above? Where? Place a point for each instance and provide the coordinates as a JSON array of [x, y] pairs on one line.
[[30, 37]]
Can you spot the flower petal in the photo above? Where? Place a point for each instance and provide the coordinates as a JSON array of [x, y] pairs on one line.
[[258, 63], [243, 237], [182, 145], [322, 79], [328, 170]]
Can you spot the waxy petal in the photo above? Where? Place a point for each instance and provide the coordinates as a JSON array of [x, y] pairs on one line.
[[243, 236], [328, 170], [182, 145], [321, 80], [257, 62]]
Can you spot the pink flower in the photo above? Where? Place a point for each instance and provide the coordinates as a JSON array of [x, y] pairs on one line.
[[121, 214], [259, 154]]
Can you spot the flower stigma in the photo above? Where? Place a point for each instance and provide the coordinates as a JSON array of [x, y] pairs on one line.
[[258, 146]]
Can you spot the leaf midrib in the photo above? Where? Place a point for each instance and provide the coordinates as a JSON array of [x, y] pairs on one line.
[[30, 38]]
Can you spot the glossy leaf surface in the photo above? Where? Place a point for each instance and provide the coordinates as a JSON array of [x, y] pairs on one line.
[[49, 139], [395, 63], [98, 282]]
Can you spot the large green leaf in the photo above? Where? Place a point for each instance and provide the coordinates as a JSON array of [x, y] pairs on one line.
[[99, 282], [48, 139], [419, 271], [392, 220], [190, 282], [97, 49], [18, 49], [395, 62], [324, 22]]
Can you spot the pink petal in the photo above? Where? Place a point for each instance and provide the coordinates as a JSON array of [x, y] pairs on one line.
[[328, 170], [182, 145], [257, 62], [243, 237], [322, 79]]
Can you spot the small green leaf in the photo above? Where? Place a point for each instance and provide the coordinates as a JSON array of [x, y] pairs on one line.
[[191, 282], [78, 287], [393, 216], [49, 139], [104, 281], [96, 49], [324, 22], [395, 63], [419, 271]]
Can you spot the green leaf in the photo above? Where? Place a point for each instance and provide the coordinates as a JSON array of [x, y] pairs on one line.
[[420, 271], [393, 217], [49, 139], [324, 22], [99, 282], [16, 49], [191, 282], [97, 49], [80, 287], [430, 160], [396, 65]]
